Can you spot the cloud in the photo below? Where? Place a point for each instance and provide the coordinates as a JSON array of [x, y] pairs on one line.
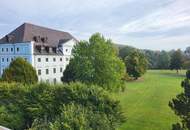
[[176, 15], [141, 23]]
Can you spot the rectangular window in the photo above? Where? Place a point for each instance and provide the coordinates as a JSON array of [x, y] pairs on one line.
[[39, 59], [47, 71], [61, 69], [60, 59], [39, 72], [2, 59], [17, 49], [54, 59], [2, 49], [7, 59], [47, 59], [7, 49], [11, 49], [54, 70]]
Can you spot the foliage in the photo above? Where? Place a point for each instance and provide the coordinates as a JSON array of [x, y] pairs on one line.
[[95, 62], [43, 106], [163, 61], [136, 64], [176, 60], [20, 70], [181, 105], [125, 51]]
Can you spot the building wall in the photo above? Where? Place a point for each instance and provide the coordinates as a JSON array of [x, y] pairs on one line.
[[55, 64], [10, 51]]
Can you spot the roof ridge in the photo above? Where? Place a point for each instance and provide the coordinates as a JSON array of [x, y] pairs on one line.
[[44, 27]]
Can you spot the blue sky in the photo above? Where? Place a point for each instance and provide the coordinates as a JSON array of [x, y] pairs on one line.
[[150, 24]]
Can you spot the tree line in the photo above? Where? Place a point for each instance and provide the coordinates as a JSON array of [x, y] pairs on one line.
[[174, 59]]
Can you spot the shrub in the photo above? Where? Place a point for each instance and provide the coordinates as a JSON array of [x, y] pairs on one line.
[[21, 71], [43, 106]]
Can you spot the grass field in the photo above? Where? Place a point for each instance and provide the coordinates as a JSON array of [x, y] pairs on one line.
[[145, 102]]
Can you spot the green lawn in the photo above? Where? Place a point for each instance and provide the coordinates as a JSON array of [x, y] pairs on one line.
[[145, 102]]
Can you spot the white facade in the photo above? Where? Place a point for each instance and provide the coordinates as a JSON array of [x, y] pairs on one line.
[[49, 67]]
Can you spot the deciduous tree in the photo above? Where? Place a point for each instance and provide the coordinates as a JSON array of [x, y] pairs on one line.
[[95, 61], [21, 71]]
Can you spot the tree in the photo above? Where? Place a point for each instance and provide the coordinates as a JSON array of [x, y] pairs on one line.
[[47, 107], [163, 60], [176, 60], [21, 71], [95, 61], [181, 105], [125, 51], [187, 51], [136, 64]]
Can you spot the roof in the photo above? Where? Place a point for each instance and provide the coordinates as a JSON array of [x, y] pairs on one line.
[[29, 32]]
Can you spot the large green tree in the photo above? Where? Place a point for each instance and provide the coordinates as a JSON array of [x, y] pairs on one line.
[[176, 60], [136, 64], [95, 61], [181, 105], [21, 71]]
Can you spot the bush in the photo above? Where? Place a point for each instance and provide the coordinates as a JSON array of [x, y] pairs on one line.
[[21, 71], [43, 106]]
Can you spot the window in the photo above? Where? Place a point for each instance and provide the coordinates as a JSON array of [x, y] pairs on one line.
[[7, 59], [66, 50], [11, 49], [67, 59], [39, 59], [17, 49], [7, 49], [54, 59], [2, 59], [39, 72], [11, 59], [61, 69], [60, 59], [47, 71], [2, 49], [47, 59], [54, 70]]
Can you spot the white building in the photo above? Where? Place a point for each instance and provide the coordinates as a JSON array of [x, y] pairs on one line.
[[48, 50]]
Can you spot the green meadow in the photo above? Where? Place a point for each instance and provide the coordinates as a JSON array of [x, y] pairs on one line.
[[145, 102]]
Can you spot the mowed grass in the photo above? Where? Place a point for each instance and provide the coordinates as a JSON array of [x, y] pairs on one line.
[[145, 102]]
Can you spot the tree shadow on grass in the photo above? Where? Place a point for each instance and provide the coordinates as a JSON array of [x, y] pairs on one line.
[[171, 74]]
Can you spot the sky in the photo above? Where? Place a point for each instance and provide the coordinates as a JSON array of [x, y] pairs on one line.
[[145, 24]]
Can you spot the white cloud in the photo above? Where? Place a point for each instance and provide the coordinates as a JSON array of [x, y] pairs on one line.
[[174, 16]]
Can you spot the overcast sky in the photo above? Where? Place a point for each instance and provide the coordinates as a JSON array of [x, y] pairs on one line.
[[150, 24]]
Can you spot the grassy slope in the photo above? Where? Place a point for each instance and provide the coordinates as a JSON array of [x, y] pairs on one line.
[[145, 102]]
